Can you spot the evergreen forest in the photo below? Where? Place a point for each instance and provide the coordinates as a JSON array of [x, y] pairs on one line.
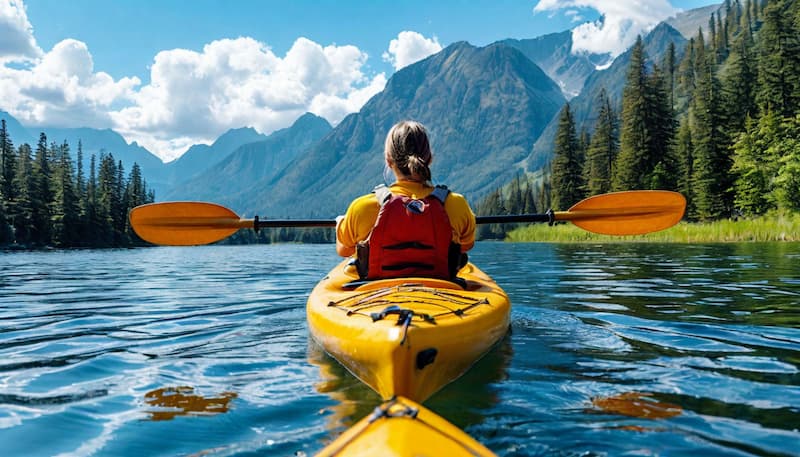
[[46, 200], [721, 125]]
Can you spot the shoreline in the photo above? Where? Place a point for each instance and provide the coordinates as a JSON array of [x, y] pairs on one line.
[[779, 228]]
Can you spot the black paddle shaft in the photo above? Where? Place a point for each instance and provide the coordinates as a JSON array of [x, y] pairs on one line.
[[548, 217]]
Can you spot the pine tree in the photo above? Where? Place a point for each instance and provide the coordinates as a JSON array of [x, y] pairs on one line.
[[81, 194], [603, 148], [567, 177], [7, 163], [712, 35], [631, 169], [685, 78], [24, 225], [779, 61], [493, 204], [684, 153], [738, 83], [529, 199], [64, 217], [746, 19], [106, 188], [42, 196], [120, 207], [670, 74], [545, 190], [787, 180], [721, 43], [767, 165], [94, 227], [136, 194], [752, 183], [710, 178], [7, 191], [660, 119]]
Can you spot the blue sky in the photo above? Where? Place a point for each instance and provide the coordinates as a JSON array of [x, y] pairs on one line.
[[173, 73]]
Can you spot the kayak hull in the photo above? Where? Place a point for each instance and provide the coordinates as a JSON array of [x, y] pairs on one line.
[[403, 428], [409, 336]]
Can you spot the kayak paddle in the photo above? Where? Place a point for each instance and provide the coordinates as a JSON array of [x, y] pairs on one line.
[[633, 212]]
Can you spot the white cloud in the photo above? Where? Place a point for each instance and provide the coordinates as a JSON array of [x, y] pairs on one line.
[[17, 43], [62, 89], [192, 97], [575, 15], [195, 96], [334, 109], [410, 47], [622, 22]]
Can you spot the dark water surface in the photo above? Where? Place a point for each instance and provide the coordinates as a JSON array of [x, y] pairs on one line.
[[620, 349]]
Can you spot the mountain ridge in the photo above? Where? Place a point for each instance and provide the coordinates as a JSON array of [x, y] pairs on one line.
[[613, 80], [492, 90]]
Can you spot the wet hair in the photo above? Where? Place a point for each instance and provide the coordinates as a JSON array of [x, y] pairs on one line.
[[407, 145]]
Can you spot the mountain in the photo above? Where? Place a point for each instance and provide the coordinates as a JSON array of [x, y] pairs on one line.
[[688, 22], [483, 107], [159, 176], [584, 107], [96, 141], [201, 157], [252, 166], [553, 54], [16, 131]]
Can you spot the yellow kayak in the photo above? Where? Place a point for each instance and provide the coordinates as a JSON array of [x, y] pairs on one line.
[[401, 427], [409, 336]]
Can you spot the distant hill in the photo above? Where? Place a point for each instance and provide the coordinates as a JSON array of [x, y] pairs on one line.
[[484, 108], [16, 131], [584, 106], [688, 22], [252, 166], [201, 157], [95, 141], [553, 54]]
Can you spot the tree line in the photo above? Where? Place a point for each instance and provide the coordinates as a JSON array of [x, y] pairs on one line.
[[47, 200], [721, 125]]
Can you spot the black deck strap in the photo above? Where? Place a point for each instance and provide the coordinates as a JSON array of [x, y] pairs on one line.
[[404, 315]]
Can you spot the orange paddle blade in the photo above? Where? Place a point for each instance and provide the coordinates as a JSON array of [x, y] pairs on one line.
[[634, 212], [185, 223]]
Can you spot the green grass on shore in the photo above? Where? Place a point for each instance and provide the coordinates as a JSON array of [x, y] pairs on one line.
[[767, 228]]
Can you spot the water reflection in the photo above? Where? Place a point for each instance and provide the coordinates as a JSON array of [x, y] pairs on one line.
[[181, 401], [709, 332], [636, 404], [462, 402]]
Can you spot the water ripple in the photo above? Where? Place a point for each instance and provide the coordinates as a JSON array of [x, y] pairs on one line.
[[88, 339]]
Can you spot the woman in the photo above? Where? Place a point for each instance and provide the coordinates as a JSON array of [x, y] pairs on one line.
[[416, 218]]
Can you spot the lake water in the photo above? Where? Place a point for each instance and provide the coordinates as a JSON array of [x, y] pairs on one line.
[[616, 349]]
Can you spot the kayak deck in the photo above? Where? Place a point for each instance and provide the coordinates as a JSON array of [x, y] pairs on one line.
[[401, 427], [408, 336]]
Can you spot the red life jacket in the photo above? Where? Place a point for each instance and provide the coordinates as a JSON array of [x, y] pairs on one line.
[[411, 237]]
